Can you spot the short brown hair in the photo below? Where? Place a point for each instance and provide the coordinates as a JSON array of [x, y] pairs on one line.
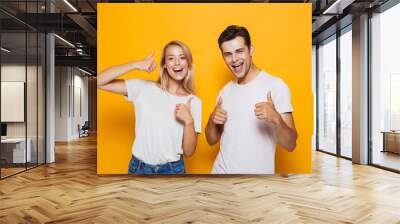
[[233, 31]]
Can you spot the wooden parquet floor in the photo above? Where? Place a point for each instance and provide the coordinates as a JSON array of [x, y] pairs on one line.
[[70, 191]]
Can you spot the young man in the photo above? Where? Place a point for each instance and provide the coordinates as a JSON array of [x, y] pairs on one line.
[[252, 114]]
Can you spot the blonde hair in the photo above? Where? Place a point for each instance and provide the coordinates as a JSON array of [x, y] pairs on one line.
[[164, 76]]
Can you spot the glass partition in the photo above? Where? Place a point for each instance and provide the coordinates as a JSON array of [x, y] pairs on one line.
[[22, 88], [346, 93], [385, 89], [327, 96], [13, 103]]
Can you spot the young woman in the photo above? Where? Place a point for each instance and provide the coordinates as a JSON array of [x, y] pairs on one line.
[[168, 115]]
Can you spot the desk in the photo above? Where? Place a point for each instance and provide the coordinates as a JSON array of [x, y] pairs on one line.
[[16, 147], [391, 141]]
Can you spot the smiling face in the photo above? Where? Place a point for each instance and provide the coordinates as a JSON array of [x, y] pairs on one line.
[[176, 62], [237, 56]]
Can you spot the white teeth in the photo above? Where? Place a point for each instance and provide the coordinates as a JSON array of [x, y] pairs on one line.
[[237, 67]]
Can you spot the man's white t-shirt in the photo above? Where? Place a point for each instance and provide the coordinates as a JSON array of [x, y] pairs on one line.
[[158, 135], [248, 144]]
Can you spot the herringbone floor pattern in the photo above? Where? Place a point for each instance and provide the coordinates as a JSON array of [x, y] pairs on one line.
[[70, 191]]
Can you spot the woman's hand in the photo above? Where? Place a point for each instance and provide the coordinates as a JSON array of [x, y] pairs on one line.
[[183, 114], [108, 79], [147, 64]]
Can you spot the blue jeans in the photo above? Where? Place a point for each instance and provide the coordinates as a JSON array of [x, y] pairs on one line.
[[136, 166]]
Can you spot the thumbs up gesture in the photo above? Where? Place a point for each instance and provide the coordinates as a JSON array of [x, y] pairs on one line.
[[182, 112], [266, 110], [219, 115], [147, 64]]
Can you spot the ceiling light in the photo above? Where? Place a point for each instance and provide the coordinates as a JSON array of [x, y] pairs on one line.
[[65, 41], [70, 5], [5, 50], [84, 71], [337, 7]]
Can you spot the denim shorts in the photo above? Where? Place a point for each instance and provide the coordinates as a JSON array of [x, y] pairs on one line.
[[136, 166]]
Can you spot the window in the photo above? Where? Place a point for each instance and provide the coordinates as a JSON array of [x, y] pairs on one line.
[[327, 96], [346, 93], [385, 88]]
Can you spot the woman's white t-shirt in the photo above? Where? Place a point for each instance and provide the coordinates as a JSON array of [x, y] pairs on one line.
[[159, 135]]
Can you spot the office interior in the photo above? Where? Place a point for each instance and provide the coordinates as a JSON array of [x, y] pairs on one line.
[[48, 83], [43, 62], [48, 75], [357, 85], [48, 80]]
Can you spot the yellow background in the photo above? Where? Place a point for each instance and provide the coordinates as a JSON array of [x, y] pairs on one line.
[[281, 36]]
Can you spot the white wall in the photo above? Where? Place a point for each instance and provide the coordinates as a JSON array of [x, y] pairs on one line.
[[12, 73], [80, 84], [71, 93], [61, 103], [33, 126]]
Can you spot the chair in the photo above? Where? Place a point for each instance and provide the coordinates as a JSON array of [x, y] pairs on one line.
[[84, 130]]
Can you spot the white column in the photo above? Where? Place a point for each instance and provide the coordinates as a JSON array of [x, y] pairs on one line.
[[50, 92], [50, 100], [360, 90]]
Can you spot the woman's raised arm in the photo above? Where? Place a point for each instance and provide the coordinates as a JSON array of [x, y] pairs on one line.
[[108, 78]]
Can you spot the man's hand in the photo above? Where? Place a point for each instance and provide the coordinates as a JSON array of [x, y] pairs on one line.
[[147, 64], [266, 111], [215, 124], [219, 115], [182, 112]]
